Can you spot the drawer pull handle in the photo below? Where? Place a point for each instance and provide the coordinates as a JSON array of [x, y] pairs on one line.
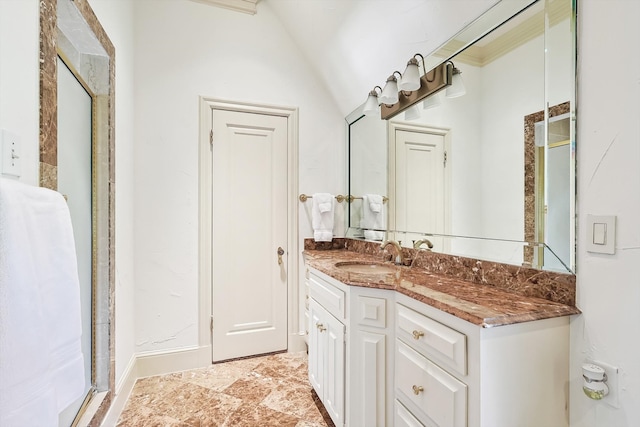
[[320, 327], [417, 389], [417, 334]]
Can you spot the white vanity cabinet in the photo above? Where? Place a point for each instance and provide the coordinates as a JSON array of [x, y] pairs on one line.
[[452, 373], [327, 348], [370, 367], [354, 377], [430, 393], [381, 358]]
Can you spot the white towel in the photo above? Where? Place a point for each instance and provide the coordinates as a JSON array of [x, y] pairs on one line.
[[322, 217], [372, 217], [41, 361]]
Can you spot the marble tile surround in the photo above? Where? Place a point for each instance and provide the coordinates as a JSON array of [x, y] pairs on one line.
[[530, 173], [481, 292], [105, 165], [270, 390]]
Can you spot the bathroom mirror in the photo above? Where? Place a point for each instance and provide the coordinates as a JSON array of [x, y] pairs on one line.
[[495, 164]]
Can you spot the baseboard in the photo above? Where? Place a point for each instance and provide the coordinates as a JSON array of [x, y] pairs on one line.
[[161, 363], [123, 391], [297, 343], [147, 365]]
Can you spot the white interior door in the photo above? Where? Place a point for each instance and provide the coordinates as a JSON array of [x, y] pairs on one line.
[[420, 183], [249, 227], [75, 182]]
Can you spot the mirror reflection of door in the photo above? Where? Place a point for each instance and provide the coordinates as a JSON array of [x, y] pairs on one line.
[[419, 180]]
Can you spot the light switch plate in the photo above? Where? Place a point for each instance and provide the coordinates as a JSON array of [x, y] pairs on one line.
[[601, 234], [9, 153]]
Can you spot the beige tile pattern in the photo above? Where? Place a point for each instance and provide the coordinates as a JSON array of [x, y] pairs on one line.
[[270, 390]]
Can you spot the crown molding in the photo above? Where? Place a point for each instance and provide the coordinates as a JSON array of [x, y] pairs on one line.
[[502, 42]]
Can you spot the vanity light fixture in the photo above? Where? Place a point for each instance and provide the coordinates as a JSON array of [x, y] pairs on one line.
[[372, 104], [389, 95], [431, 83], [457, 86], [411, 77]]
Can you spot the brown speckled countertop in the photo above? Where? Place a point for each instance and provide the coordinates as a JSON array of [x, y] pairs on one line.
[[481, 304]]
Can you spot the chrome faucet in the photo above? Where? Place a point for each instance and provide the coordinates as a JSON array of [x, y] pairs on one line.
[[418, 243], [399, 260]]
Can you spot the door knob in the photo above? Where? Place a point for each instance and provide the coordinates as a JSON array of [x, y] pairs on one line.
[[280, 253]]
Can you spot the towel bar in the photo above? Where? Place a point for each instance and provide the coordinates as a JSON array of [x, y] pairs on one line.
[[352, 198], [303, 198]]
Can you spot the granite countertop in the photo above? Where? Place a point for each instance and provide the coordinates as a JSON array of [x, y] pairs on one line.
[[480, 304]]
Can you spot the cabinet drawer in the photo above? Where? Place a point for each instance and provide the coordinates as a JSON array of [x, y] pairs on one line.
[[403, 418], [329, 296], [434, 396], [437, 341], [371, 311]]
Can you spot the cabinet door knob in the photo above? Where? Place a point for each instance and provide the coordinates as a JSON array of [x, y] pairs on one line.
[[321, 327], [417, 334], [280, 253], [417, 389]]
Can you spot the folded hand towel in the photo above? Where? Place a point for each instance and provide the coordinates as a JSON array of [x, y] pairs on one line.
[[375, 202], [41, 361], [372, 217], [322, 217]]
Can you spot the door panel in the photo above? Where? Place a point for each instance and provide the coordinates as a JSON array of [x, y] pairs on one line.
[[420, 183], [249, 226]]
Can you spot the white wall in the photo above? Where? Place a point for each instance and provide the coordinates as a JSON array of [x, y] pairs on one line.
[[608, 153], [19, 79], [185, 50]]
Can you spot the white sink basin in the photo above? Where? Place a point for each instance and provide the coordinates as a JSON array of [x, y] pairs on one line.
[[366, 267]]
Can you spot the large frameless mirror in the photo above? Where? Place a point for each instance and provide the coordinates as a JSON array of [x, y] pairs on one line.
[[488, 172]]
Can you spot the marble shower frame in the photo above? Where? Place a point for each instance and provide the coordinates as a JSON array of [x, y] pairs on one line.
[[530, 174], [103, 165]]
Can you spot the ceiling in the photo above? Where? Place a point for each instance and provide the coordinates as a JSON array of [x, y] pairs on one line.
[[356, 44]]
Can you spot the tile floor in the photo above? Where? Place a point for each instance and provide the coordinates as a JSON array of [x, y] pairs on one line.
[[270, 390]]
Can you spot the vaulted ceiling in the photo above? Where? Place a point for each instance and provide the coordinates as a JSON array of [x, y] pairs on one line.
[[356, 44]]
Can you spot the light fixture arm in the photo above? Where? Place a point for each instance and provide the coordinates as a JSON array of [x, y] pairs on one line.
[[415, 61], [392, 77], [455, 69], [373, 91]]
